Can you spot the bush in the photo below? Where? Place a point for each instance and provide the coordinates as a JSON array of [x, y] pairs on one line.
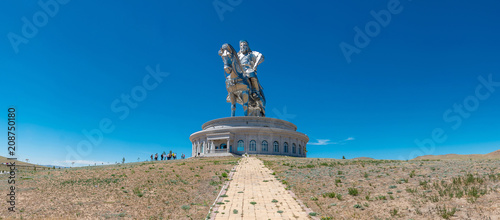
[[446, 214], [353, 191], [412, 173], [393, 212], [329, 195], [339, 196], [138, 192]]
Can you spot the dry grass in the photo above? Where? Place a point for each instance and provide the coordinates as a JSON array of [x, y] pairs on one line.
[[181, 189], [334, 189], [19, 165], [383, 189], [491, 156]]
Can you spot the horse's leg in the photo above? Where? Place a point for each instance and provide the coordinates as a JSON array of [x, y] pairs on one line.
[[244, 97], [233, 104]]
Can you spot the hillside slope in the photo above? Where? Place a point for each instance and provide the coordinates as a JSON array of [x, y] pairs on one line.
[[492, 155], [19, 164]]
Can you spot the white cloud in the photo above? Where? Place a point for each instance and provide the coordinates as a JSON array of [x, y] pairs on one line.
[[323, 142]]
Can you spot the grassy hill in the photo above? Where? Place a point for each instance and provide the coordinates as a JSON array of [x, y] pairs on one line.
[[392, 189], [492, 155], [19, 165], [332, 188], [174, 189]]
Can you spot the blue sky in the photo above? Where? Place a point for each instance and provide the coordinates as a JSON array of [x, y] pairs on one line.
[[421, 82]]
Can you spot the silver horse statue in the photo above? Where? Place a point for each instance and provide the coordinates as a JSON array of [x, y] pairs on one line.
[[239, 87]]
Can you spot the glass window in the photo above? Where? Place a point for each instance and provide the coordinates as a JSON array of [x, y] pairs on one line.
[[285, 147], [276, 147], [300, 149], [241, 145], [264, 145], [253, 146], [293, 148], [223, 146]]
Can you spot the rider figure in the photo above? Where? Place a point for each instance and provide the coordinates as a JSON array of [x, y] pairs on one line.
[[250, 60]]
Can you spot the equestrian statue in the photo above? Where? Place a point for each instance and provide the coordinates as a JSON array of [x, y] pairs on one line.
[[242, 84]]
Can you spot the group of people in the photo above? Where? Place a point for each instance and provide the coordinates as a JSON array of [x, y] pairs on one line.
[[165, 156]]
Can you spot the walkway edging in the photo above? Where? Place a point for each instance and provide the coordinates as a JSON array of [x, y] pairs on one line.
[[211, 215]]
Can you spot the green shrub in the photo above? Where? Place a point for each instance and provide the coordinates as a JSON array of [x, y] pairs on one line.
[[138, 192], [446, 214], [353, 191], [412, 173], [329, 195], [339, 196], [393, 212]]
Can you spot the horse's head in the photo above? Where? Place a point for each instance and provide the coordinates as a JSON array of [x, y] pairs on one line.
[[226, 50], [228, 55]]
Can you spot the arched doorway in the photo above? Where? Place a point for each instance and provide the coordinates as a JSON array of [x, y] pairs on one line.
[[223, 146]]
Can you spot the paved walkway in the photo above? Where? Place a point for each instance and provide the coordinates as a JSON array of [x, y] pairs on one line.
[[253, 182]]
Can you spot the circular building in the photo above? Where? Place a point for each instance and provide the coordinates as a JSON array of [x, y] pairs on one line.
[[250, 135]]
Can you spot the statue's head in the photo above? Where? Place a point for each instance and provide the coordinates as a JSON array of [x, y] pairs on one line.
[[244, 47]]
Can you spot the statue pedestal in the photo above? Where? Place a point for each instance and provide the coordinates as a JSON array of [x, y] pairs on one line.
[[250, 135]]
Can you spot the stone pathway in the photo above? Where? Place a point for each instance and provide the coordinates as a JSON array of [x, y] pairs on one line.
[[256, 194]]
